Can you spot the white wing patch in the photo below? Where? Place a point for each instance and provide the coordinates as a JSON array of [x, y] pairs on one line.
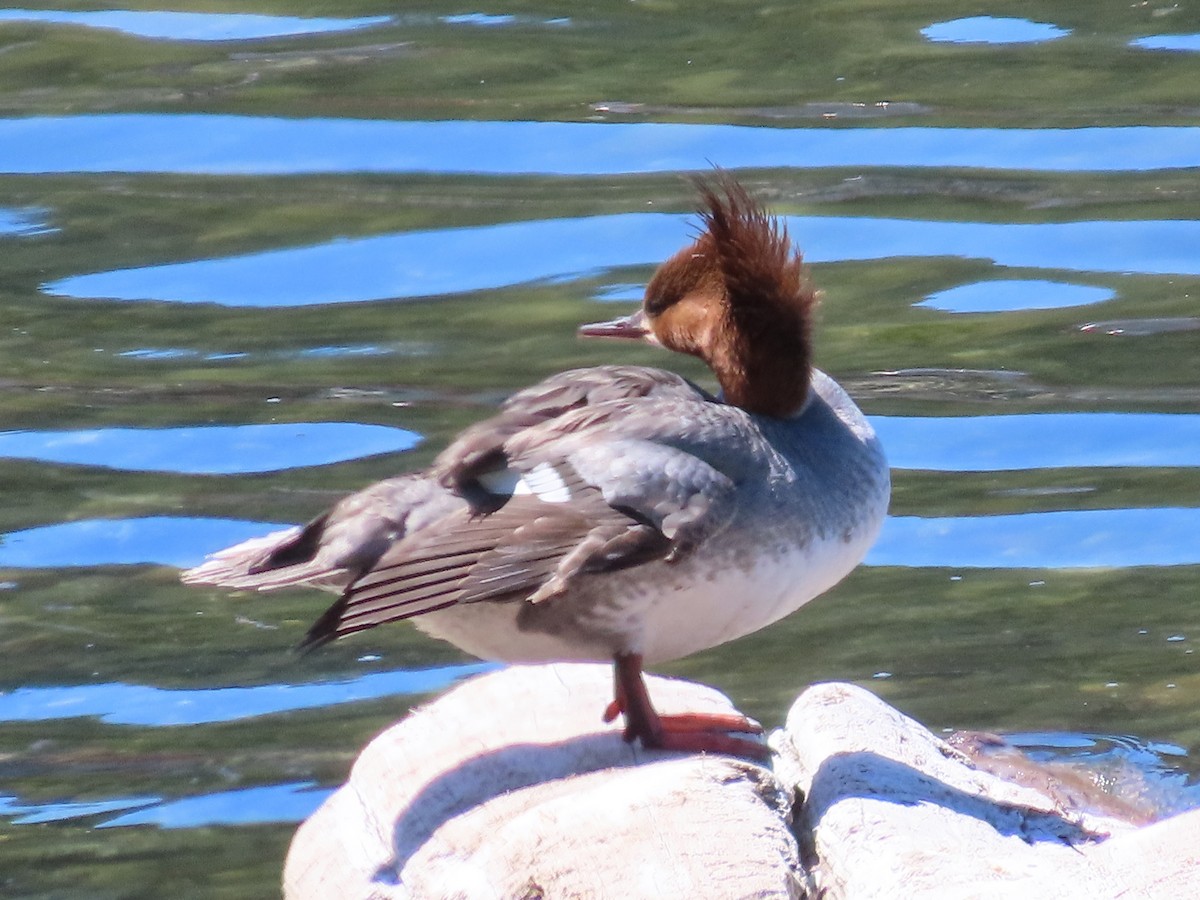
[[546, 482], [542, 481]]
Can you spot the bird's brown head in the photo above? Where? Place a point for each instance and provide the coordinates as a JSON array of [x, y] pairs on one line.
[[738, 298]]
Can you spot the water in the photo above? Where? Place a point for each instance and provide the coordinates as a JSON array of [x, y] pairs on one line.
[[281, 146], [262, 260], [428, 263], [181, 26], [209, 450], [1013, 295], [993, 30]]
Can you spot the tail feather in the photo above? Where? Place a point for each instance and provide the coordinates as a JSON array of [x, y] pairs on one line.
[[281, 559]]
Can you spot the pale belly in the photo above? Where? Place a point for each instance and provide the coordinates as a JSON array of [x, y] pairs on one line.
[[663, 611]]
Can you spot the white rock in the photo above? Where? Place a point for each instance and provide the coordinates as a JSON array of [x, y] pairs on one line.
[[891, 811], [509, 786]]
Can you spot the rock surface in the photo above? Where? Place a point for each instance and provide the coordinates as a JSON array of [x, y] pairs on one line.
[[509, 786], [890, 810]]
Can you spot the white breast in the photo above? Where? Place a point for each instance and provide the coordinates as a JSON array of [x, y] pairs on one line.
[[681, 609], [728, 602]]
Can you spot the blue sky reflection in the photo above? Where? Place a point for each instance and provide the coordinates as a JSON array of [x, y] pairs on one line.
[[23, 222], [209, 450], [481, 19], [153, 540], [429, 263], [37, 813], [190, 26], [1011, 295], [993, 30], [1069, 539], [184, 143], [261, 805], [411, 264], [1040, 441], [134, 704], [1176, 42]]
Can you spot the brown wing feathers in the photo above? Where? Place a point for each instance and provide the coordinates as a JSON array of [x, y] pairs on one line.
[[527, 550]]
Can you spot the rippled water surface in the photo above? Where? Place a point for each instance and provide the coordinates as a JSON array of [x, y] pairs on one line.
[[252, 259]]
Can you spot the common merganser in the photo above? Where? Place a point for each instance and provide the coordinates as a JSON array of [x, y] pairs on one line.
[[621, 512]]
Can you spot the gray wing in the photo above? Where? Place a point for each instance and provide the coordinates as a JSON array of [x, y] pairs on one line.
[[337, 546], [525, 551], [482, 447], [348, 539], [589, 471], [589, 491]]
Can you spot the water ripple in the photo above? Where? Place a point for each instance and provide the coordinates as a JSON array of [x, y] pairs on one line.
[[1175, 42], [1040, 441], [181, 541], [1068, 539], [262, 805], [429, 263], [24, 222], [993, 30], [191, 26], [135, 704], [1011, 295], [147, 142], [209, 450], [38, 813], [291, 802]]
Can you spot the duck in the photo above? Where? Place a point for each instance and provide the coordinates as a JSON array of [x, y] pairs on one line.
[[621, 513]]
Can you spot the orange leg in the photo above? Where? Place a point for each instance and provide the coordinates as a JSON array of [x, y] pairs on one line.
[[689, 732]]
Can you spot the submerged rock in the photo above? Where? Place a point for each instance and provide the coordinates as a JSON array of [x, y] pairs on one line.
[[509, 786]]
